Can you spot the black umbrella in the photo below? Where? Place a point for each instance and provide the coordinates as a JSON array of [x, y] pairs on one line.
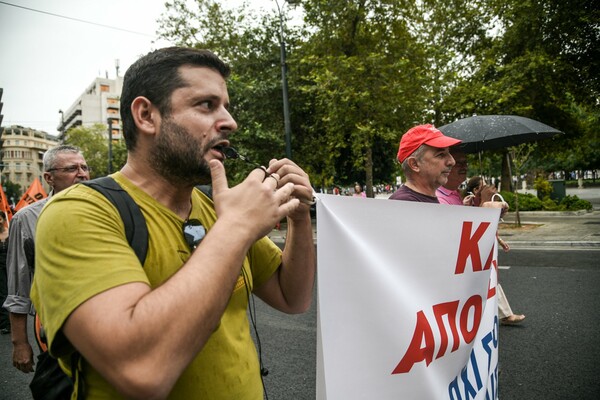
[[490, 132]]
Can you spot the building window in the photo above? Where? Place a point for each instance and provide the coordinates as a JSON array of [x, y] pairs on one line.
[[104, 88]]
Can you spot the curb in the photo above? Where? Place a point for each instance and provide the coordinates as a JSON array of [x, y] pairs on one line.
[[550, 213], [555, 243]]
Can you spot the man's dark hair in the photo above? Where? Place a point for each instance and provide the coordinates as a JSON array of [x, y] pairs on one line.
[[156, 76]]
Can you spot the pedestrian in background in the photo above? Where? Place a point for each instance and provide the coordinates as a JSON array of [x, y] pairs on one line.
[[63, 167], [479, 194], [449, 192], [4, 318], [358, 192]]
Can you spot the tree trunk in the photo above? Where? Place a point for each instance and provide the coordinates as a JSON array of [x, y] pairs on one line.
[[517, 215], [506, 179], [369, 172]]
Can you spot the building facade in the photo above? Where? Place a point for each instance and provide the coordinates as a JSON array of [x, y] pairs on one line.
[[99, 103], [22, 155]]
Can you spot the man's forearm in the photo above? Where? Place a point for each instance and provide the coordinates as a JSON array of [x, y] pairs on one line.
[[297, 273], [18, 323], [22, 352]]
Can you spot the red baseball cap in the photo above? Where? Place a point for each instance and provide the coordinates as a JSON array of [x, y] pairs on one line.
[[423, 134]]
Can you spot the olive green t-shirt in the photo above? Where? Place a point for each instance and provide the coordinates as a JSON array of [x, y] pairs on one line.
[[81, 250]]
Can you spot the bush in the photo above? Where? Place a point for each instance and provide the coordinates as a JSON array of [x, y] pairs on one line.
[[529, 202], [543, 187], [550, 205], [574, 203]]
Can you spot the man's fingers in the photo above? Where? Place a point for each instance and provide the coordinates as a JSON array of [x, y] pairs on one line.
[[284, 192], [218, 177], [290, 206], [26, 368], [272, 180]]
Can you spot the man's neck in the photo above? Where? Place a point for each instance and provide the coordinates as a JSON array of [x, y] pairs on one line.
[[175, 198], [421, 188]]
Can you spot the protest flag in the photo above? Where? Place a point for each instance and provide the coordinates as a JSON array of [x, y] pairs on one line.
[[35, 193], [4, 206]]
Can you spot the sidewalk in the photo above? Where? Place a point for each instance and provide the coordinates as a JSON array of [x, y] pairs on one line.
[[578, 229]]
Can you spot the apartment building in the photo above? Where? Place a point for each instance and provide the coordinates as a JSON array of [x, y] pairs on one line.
[[22, 153], [99, 103]]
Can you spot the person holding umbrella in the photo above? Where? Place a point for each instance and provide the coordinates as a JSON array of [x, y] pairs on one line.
[[449, 193], [481, 195]]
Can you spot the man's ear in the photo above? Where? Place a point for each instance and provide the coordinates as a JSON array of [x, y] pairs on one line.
[[145, 115], [413, 164], [49, 179]]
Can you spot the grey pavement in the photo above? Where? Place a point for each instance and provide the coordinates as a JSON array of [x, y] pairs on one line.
[[549, 229]]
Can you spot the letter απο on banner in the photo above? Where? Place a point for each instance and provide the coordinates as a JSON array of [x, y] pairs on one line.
[[390, 300]]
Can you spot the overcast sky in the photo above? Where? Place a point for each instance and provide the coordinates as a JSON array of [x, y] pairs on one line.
[[46, 61]]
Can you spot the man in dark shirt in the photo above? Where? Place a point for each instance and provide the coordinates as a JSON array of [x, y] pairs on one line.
[[426, 161]]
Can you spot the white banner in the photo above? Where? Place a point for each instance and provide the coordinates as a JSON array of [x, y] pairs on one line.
[[406, 300]]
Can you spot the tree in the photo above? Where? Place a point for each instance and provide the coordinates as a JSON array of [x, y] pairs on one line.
[[519, 156], [362, 74], [93, 143], [537, 64], [12, 190]]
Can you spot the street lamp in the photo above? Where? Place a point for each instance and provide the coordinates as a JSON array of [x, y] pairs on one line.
[[62, 124], [284, 84], [109, 169]]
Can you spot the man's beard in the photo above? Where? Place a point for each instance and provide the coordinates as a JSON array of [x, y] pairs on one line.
[[178, 156]]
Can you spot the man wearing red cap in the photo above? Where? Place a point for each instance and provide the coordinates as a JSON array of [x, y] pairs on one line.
[[426, 161]]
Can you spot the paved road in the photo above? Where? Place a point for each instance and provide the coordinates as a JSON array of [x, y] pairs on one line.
[[13, 383], [554, 354]]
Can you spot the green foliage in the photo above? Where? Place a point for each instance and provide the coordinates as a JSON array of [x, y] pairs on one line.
[[12, 190], [542, 63], [362, 72], [550, 205], [587, 183], [543, 187], [93, 142], [529, 202], [574, 203]]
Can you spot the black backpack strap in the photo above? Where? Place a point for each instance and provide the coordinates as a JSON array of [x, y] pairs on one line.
[[206, 189], [136, 230]]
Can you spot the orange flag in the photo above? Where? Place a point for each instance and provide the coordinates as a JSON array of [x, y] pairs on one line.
[[34, 193], [4, 205]]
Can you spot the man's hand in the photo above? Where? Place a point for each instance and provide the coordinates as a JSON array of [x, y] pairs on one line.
[[23, 357], [289, 172], [256, 204], [22, 351]]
